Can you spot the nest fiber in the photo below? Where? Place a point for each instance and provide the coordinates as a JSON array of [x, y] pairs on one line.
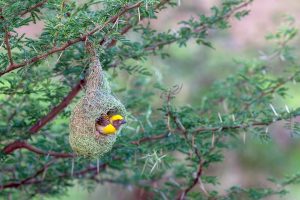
[[98, 101]]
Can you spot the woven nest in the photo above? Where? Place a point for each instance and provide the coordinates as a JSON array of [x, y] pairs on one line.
[[98, 101]]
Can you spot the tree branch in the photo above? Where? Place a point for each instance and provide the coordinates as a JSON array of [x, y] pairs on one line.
[[159, 6], [209, 129], [42, 122], [201, 28], [195, 182], [148, 139], [24, 145], [73, 41], [271, 90], [33, 7], [27, 180], [64, 103], [241, 126], [197, 179], [32, 179], [6, 40]]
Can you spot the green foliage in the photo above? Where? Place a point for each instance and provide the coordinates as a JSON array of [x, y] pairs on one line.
[[171, 146]]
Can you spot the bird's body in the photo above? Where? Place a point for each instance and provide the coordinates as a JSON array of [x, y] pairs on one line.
[[108, 129], [107, 125]]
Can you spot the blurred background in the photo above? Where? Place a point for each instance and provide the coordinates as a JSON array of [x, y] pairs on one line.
[[248, 164]]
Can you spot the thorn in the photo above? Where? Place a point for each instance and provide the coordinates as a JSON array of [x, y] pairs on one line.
[[244, 137], [220, 118], [139, 14], [233, 118], [287, 109], [116, 23], [213, 140], [44, 173], [274, 111], [267, 129], [34, 48], [59, 56], [178, 2], [202, 188]]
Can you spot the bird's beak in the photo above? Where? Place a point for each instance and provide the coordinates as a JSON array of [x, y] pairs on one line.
[[123, 122]]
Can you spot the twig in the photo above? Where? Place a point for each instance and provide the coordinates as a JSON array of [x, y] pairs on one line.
[[28, 180], [6, 40], [271, 91], [24, 145], [195, 181], [147, 139], [33, 7], [33, 179], [241, 126]]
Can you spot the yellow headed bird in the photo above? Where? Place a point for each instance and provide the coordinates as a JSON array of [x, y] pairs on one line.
[[109, 125]]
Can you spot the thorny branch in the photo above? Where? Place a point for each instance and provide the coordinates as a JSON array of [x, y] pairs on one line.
[[64, 103], [147, 139], [24, 145], [195, 182], [34, 178], [28, 180], [201, 28], [271, 90], [73, 41], [197, 179], [28, 10], [202, 162], [208, 129]]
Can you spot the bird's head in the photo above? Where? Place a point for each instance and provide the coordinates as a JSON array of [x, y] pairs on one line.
[[117, 120]]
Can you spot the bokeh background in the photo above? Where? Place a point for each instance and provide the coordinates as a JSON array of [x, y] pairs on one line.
[[196, 67]]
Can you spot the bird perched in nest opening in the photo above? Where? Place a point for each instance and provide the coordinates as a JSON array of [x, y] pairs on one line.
[[107, 125]]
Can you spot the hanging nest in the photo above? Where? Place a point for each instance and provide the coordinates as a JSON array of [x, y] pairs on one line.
[[98, 101]]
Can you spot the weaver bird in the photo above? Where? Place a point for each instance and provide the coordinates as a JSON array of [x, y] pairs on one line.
[[109, 124]]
